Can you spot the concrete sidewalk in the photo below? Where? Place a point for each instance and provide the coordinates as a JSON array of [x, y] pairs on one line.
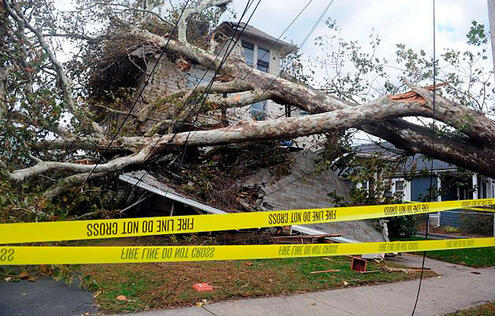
[[458, 287]]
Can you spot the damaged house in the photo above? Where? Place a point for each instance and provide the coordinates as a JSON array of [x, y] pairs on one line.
[[272, 175]]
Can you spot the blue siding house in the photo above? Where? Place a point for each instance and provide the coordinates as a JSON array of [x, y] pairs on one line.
[[413, 181]]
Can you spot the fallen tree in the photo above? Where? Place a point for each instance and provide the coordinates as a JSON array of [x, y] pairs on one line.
[[37, 94]]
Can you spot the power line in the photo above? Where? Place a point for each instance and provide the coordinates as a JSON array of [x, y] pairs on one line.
[[140, 92], [302, 43], [313, 28], [431, 168], [228, 51], [286, 29]]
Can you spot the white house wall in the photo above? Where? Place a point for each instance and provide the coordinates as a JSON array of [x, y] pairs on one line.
[[169, 78]]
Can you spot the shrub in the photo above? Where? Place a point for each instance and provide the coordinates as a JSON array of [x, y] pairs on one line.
[[477, 223], [450, 229], [401, 226]]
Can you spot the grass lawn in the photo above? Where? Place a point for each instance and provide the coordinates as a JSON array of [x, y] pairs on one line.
[[165, 285], [482, 310], [473, 257]]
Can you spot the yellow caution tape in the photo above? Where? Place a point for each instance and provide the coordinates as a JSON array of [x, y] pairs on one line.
[[86, 255], [131, 227]]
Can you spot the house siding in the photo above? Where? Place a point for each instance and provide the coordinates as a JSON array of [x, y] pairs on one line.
[[420, 187], [451, 219], [168, 78]]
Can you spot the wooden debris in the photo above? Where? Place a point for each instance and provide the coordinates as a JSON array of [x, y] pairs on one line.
[[308, 236], [303, 239], [412, 96], [404, 270], [371, 271], [325, 271]]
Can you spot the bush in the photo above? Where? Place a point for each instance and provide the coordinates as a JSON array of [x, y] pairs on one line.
[[450, 229], [401, 226], [477, 224]]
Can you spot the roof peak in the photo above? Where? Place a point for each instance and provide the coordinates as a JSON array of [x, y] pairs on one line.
[[252, 31]]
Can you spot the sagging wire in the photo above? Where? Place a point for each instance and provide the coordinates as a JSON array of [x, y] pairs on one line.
[[430, 194]]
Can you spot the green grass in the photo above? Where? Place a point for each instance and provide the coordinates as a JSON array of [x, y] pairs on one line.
[[473, 257], [165, 285], [482, 310]]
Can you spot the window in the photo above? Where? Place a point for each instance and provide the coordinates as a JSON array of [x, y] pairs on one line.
[[396, 189], [248, 52], [483, 190], [399, 188], [261, 55], [263, 59]]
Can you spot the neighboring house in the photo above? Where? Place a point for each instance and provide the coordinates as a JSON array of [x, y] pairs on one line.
[[412, 181]]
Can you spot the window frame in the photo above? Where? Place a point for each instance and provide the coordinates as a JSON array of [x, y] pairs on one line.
[[262, 62], [244, 45], [258, 114], [256, 55]]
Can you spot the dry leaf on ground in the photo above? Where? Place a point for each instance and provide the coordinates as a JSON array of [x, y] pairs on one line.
[[24, 275], [121, 298]]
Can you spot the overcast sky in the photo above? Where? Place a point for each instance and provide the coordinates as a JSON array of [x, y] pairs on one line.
[[395, 21]]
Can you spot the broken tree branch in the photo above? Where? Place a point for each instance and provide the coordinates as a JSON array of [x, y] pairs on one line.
[[65, 83]]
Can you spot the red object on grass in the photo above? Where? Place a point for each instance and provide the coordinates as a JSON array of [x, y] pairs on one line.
[[202, 287], [358, 264]]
